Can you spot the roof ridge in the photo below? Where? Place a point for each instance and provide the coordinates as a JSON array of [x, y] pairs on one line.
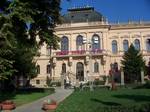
[[85, 8]]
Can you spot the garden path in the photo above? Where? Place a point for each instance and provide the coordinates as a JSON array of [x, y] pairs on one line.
[[59, 95]]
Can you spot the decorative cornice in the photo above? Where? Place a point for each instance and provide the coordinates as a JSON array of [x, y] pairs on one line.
[[98, 25]]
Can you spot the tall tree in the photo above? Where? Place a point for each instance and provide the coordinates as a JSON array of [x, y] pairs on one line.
[[26, 20], [6, 54], [133, 63]]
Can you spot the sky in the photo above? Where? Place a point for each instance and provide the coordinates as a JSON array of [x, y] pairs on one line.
[[114, 10]]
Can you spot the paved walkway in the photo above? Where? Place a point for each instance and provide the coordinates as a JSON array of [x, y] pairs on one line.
[[59, 95]]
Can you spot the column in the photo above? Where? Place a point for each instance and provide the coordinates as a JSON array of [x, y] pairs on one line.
[[142, 43], [62, 81], [122, 77], [131, 40], [87, 67], [106, 82], [70, 41], [119, 44], [102, 41], [86, 42], [142, 77]]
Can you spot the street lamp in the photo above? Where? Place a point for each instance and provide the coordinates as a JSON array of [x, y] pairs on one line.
[[90, 57], [48, 78], [50, 62]]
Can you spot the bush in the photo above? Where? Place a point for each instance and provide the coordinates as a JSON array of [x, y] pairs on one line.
[[144, 86], [87, 84], [147, 85], [76, 89], [31, 90], [58, 84], [98, 82]]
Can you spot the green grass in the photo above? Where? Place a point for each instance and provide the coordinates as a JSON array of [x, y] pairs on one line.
[[21, 98], [96, 101]]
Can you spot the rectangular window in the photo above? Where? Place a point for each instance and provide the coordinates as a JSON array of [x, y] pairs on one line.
[[37, 81]]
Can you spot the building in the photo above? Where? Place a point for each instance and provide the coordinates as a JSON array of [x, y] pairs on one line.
[[89, 45]]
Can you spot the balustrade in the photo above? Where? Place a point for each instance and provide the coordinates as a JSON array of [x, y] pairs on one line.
[[79, 52]]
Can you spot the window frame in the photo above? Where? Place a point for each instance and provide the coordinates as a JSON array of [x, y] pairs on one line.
[[95, 45], [96, 67], [64, 43], [48, 69], [114, 46], [125, 44], [79, 42], [137, 42]]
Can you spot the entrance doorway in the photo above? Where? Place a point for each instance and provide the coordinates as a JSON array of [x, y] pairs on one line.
[[80, 71]]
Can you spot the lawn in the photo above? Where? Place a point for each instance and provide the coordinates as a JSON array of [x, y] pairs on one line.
[[100, 100], [23, 97]]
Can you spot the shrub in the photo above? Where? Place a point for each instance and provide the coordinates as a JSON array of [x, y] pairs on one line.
[[76, 88], [144, 86], [31, 90], [58, 84], [147, 84], [98, 82]]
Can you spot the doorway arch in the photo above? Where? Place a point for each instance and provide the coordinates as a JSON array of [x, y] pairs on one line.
[[80, 71]]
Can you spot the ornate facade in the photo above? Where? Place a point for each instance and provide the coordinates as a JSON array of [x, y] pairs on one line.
[[88, 46]]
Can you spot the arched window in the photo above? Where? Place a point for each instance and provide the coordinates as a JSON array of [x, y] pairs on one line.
[[38, 69], [125, 45], [137, 44], [114, 47], [63, 68], [64, 44], [95, 42], [148, 45], [96, 67], [80, 71], [48, 69], [79, 42]]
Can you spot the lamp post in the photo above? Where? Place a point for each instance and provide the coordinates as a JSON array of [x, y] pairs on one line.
[[50, 61], [48, 78], [90, 72], [90, 58]]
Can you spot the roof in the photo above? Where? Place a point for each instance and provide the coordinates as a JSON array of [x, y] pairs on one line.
[[82, 14]]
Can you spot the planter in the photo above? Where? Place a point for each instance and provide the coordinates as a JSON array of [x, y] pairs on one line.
[[8, 105], [0, 106], [51, 106]]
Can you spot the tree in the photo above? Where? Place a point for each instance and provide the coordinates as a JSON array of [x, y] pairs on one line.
[[6, 54], [21, 23], [132, 64]]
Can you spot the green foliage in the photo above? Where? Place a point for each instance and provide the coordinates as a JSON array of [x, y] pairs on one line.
[[98, 82], [26, 95], [147, 84], [6, 44], [21, 22], [103, 100], [133, 63], [58, 84]]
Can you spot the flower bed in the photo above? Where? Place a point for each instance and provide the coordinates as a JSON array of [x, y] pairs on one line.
[[8, 105], [49, 105]]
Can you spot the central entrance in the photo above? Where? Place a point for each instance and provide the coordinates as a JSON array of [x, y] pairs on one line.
[[80, 71]]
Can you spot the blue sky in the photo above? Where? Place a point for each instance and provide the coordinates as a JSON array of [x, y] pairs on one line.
[[114, 10]]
